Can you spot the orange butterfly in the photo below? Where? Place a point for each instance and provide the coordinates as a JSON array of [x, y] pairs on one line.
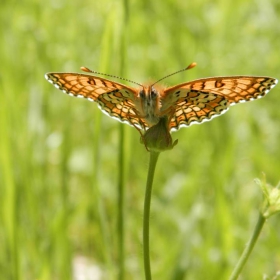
[[184, 104]]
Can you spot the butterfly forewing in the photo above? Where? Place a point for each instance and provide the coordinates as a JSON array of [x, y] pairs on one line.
[[87, 86], [235, 88], [201, 100], [114, 99]]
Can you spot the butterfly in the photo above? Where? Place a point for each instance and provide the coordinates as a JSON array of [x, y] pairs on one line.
[[185, 104]]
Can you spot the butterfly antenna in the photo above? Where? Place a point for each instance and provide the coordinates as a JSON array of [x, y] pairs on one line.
[[192, 65], [85, 69]]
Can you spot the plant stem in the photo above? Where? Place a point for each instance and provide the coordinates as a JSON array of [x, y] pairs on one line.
[[121, 206], [249, 247], [146, 219]]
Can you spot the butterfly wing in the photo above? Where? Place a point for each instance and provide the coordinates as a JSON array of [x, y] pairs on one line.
[[201, 100], [114, 99]]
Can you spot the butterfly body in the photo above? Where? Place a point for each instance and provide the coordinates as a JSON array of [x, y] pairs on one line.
[[148, 104], [183, 105]]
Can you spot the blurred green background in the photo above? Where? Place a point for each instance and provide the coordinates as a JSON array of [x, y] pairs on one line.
[[59, 156]]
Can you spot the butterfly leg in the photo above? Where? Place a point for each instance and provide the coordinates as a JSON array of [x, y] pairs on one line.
[[142, 138]]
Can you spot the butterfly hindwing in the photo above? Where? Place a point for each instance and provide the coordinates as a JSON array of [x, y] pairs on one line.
[[197, 107]]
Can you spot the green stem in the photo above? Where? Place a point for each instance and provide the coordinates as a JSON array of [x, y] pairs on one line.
[[121, 205], [146, 219], [248, 249]]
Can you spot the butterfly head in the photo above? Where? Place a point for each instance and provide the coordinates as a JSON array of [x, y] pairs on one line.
[[149, 100], [148, 96]]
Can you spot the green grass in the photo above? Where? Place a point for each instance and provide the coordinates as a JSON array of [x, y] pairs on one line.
[[59, 156]]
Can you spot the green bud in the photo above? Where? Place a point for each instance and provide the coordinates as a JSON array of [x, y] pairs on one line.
[[158, 138], [271, 203]]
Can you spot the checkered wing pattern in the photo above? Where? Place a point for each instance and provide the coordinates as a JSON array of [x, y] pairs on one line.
[[201, 100], [114, 99]]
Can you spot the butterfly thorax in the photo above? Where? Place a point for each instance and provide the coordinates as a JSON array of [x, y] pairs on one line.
[[149, 104]]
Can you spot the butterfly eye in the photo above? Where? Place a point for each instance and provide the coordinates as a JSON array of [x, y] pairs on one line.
[[154, 93], [142, 94]]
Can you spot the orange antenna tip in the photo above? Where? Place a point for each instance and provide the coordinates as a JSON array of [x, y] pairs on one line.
[[85, 69], [192, 65]]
